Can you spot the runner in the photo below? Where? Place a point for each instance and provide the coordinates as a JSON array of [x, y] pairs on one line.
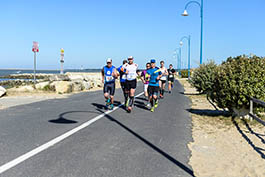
[[123, 80], [109, 74], [154, 74], [163, 79], [171, 72], [146, 82], [131, 74]]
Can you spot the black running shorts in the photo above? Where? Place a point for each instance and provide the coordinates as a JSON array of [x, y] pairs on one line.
[[153, 90], [131, 84], [109, 88]]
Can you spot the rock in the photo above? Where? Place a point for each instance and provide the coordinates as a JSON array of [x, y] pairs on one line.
[[59, 77], [97, 83], [26, 88], [77, 87], [76, 78], [2, 91], [41, 85], [62, 86], [86, 85]]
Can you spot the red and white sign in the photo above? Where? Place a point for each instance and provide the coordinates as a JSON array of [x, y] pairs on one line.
[[35, 47]]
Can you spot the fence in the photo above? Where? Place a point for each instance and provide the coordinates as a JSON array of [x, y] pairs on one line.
[[251, 110]]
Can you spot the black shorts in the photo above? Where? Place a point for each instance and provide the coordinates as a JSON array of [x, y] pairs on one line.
[[171, 79], [109, 88], [163, 81], [123, 85], [130, 84], [153, 90]]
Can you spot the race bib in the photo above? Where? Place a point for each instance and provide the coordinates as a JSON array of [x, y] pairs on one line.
[[170, 76], [123, 76], [109, 78], [131, 76]]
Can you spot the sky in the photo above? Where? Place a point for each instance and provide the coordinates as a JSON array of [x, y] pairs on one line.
[[91, 31]]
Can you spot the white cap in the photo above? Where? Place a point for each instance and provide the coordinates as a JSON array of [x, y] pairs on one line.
[[130, 57], [109, 60]]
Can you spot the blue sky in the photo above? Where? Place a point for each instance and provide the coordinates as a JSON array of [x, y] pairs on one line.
[[91, 31]]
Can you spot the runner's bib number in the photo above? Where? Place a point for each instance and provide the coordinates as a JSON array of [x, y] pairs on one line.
[[123, 76], [109, 78], [131, 76], [170, 76]]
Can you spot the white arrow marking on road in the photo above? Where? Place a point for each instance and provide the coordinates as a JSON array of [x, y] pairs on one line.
[[54, 141]]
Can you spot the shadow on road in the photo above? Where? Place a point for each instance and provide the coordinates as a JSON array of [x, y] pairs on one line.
[[140, 104], [166, 155], [190, 93], [63, 120], [257, 149], [209, 112]]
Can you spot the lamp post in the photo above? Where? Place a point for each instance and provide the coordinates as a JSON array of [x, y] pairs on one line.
[[181, 43], [185, 13]]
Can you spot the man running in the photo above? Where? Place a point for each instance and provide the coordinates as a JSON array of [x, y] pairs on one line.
[[171, 72], [146, 82], [109, 74], [131, 83], [163, 79], [154, 74], [123, 79]]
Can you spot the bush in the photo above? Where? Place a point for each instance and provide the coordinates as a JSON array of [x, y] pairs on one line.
[[203, 77], [236, 80], [184, 73], [49, 88]]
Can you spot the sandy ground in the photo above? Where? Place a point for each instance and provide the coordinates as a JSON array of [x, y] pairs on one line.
[[223, 146]]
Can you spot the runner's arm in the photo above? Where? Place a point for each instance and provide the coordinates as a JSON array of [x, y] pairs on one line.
[[102, 75]]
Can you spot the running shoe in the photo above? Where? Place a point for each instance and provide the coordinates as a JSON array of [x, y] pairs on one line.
[[156, 103], [111, 107], [152, 109], [148, 105], [129, 109]]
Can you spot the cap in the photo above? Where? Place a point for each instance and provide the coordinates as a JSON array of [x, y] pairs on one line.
[[130, 57], [152, 61], [109, 60]]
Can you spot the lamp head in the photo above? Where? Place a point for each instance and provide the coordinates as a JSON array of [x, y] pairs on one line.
[[180, 43], [185, 13]]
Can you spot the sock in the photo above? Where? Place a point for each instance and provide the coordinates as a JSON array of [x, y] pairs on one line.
[[152, 103], [131, 101], [126, 95]]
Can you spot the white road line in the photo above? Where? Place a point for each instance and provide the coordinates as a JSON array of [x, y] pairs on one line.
[[54, 141]]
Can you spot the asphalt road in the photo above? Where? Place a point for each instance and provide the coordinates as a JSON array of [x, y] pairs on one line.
[[139, 144]]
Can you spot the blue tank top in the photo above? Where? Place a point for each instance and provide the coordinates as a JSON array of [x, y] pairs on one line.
[[108, 74]]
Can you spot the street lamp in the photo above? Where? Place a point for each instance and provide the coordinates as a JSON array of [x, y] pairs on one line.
[[185, 13], [181, 43]]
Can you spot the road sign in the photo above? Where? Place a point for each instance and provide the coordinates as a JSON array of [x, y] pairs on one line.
[[35, 47]]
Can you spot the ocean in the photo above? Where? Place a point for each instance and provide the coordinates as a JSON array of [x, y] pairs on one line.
[[6, 72]]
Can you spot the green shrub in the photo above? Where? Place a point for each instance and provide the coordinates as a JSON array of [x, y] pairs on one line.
[[236, 80], [184, 73], [48, 88], [203, 77]]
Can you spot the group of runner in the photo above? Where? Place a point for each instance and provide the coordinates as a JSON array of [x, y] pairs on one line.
[[153, 78]]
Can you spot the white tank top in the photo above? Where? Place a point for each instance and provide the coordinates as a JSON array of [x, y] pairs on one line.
[[163, 71], [132, 74]]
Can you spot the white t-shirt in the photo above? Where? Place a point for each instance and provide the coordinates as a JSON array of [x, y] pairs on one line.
[[132, 74], [163, 71]]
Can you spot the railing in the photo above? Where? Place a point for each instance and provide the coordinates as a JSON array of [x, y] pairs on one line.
[[251, 110]]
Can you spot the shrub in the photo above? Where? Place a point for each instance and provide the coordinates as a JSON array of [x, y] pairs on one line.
[[49, 88], [236, 80], [184, 73], [203, 77]]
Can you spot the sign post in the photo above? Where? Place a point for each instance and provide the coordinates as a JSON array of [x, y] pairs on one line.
[[35, 49], [62, 60]]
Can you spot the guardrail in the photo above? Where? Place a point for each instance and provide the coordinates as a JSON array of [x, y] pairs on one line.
[[251, 110]]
